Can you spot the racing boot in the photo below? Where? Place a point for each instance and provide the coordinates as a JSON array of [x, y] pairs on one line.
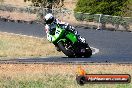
[[81, 39], [71, 29]]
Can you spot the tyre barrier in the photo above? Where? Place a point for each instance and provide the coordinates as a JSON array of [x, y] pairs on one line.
[[17, 21]]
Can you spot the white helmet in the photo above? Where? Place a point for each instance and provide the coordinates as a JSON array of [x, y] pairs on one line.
[[49, 18]]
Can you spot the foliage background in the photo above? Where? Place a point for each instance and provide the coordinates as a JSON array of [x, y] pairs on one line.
[[109, 7], [47, 3]]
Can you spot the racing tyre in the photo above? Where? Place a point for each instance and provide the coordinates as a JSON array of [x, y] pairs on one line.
[[67, 52], [88, 52]]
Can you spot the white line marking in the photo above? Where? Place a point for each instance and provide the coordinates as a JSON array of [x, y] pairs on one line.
[[95, 50], [21, 35]]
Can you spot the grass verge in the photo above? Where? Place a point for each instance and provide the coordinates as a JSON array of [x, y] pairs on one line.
[[56, 76], [23, 46]]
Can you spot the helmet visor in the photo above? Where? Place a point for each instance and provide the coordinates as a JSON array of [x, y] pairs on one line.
[[49, 21]]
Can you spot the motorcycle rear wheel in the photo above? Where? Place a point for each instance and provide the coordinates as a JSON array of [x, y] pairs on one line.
[[88, 52]]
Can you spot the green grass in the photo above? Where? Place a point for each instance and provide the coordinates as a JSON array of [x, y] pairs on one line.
[[56, 76], [53, 81]]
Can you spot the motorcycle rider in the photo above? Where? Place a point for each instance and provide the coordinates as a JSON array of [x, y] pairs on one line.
[[51, 20]]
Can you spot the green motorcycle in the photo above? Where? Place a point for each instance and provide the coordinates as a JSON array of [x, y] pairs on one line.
[[68, 42]]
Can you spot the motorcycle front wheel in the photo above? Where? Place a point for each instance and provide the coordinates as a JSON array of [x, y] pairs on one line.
[[68, 52]]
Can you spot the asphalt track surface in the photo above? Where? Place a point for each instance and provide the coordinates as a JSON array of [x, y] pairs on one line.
[[114, 46]]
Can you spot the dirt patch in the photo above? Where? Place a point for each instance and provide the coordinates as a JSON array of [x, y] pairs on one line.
[[18, 16], [19, 3], [14, 70]]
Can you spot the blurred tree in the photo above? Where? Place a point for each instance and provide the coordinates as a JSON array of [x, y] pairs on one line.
[[110, 7], [128, 8], [47, 3]]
